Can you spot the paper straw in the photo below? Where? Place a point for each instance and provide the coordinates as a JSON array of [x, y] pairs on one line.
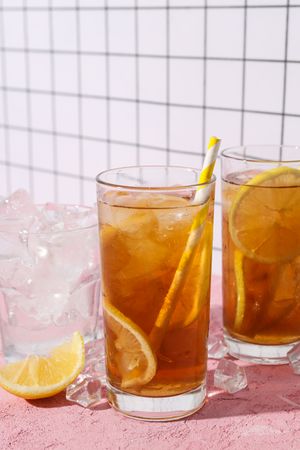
[[203, 192], [202, 196]]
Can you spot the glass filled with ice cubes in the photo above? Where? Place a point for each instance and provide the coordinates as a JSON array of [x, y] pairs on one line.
[[49, 275]]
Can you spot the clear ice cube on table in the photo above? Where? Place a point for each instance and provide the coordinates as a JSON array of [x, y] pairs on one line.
[[216, 347], [230, 377], [294, 358], [86, 389]]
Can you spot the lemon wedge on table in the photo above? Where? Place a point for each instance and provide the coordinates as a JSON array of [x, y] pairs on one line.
[[129, 349], [39, 377], [265, 216]]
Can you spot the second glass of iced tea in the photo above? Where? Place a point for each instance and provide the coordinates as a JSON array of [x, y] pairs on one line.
[[156, 348], [261, 251]]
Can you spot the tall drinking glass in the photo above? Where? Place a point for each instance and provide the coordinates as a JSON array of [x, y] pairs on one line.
[[155, 339], [261, 251]]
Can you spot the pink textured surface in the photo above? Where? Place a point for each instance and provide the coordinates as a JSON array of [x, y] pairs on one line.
[[264, 416]]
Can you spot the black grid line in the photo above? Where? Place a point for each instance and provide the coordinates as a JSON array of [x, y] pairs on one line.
[[28, 98], [33, 168], [79, 91], [57, 93], [107, 77], [284, 77], [102, 140], [150, 7], [96, 139], [168, 82], [53, 100], [5, 105], [244, 74], [204, 78], [149, 55], [137, 83]]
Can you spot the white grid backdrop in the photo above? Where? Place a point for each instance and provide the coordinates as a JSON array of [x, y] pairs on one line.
[[91, 84]]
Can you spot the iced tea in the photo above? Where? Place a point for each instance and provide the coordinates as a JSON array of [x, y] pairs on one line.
[[142, 238], [261, 259]]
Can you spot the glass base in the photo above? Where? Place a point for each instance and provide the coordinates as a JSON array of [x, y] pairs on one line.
[[256, 353], [157, 408]]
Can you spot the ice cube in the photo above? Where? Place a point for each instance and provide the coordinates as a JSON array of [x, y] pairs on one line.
[[85, 391], [146, 257], [230, 377], [138, 224], [95, 360], [17, 205], [294, 358], [15, 274], [54, 216], [174, 215], [216, 346], [242, 177], [68, 217], [19, 215], [71, 255], [67, 256], [48, 294]]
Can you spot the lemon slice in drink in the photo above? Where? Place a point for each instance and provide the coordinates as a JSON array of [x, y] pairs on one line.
[[240, 289], [265, 216], [39, 377], [129, 349], [195, 291]]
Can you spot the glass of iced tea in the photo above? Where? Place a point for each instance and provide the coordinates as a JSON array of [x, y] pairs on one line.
[[156, 348], [261, 251]]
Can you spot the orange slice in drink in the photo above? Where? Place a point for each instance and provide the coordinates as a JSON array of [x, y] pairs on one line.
[[265, 216], [129, 349], [38, 377]]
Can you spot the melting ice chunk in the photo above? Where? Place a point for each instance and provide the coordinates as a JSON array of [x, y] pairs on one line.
[[230, 377], [294, 358], [86, 390], [216, 346], [17, 205]]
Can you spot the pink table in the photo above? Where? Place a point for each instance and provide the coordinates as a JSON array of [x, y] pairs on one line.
[[264, 416]]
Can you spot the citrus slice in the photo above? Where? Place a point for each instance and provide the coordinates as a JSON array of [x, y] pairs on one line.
[[194, 293], [285, 300], [265, 215], [240, 289], [39, 377], [129, 349]]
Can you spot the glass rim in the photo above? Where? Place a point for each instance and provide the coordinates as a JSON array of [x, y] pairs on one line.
[[227, 153], [15, 220], [152, 188]]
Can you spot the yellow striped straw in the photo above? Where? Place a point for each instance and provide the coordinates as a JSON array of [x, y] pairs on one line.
[[202, 195]]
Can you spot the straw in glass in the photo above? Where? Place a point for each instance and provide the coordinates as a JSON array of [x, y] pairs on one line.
[[202, 196]]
